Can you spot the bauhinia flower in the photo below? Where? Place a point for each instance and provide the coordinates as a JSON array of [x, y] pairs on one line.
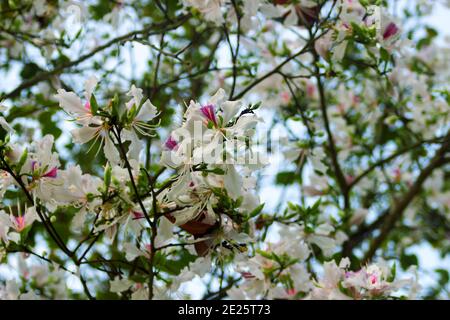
[[140, 114], [79, 190], [213, 134], [12, 225], [93, 127], [42, 168], [372, 281], [20, 222], [389, 32], [80, 111], [210, 9]]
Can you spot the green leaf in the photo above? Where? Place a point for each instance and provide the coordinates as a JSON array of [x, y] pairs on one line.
[[94, 105], [444, 276], [391, 277], [286, 178], [173, 266], [22, 160], [256, 211], [265, 254], [407, 260], [115, 106], [384, 54], [48, 125], [29, 70]]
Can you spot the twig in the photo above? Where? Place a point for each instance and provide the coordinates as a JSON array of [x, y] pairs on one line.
[[149, 30], [396, 211]]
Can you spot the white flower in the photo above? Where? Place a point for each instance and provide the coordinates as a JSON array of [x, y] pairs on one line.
[[210, 9], [197, 268], [42, 164], [73, 105], [144, 113], [5, 125], [10, 291]]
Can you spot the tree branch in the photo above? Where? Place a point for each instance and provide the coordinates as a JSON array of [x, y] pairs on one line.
[[148, 31], [396, 211]]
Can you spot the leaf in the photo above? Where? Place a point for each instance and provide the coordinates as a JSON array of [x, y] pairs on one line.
[[22, 160], [265, 254], [94, 105], [48, 125], [391, 277], [444, 276], [29, 70], [286, 178], [385, 55], [173, 266], [115, 106], [256, 211], [407, 260]]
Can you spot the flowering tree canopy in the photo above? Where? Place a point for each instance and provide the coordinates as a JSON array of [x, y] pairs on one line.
[[210, 149]]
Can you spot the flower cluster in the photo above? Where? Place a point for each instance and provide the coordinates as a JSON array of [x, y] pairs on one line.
[[146, 198], [280, 271], [40, 282], [213, 156], [374, 281], [366, 25]]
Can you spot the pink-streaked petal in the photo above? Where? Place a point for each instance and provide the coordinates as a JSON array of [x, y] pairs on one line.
[[52, 173], [390, 31], [209, 113]]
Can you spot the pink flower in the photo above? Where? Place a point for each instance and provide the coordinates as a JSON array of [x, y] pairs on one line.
[[390, 31], [52, 173], [310, 90], [139, 286], [397, 174], [137, 215], [247, 275], [291, 292], [209, 113], [286, 97], [170, 144], [19, 223]]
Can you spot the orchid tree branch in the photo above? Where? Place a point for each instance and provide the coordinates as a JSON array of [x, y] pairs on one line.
[[117, 133], [306, 48], [150, 30], [392, 157], [396, 211], [340, 177], [47, 223], [234, 53]]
